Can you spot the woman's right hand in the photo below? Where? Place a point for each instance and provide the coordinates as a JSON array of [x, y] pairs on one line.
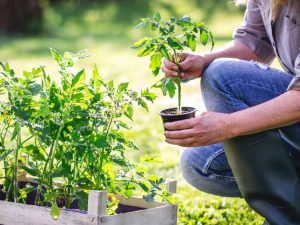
[[191, 66]]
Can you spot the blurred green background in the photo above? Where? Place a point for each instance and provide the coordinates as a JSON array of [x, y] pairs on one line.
[[105, 28]]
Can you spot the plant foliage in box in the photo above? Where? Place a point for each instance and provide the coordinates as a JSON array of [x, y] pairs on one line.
[[68, 133]]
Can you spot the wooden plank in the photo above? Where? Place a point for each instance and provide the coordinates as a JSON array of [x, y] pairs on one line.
[[171, 186], [154, 214], [164, 215], [19, 214], [97, 203], [138, 202]]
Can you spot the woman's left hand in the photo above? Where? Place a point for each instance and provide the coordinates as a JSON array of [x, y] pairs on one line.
[[209, 128]]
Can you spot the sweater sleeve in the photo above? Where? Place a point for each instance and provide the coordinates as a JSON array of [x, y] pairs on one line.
[[295, 83], [252, 32]]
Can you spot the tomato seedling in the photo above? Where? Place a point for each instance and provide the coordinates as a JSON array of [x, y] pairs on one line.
[[170, 38]]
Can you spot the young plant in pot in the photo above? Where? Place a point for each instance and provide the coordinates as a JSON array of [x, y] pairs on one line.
[[170, 39]]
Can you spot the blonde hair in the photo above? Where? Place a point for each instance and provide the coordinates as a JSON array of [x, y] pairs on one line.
[[274, 4]]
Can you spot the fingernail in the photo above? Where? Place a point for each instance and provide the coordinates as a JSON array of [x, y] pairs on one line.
[[174, 68], [174, 74]]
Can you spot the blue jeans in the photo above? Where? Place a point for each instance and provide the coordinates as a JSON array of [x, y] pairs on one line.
[[230, 85]]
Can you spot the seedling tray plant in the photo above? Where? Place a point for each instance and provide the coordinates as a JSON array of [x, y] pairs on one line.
[[170, 38], [63, 136]]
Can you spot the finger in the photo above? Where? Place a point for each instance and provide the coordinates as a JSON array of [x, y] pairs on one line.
[[180, 125], [187, 76], [183, 57], [169, 73], [182, 134], [190, 142], [170, 65], [185, 65]]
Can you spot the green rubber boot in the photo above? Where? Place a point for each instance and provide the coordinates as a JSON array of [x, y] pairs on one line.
[[266, 176]]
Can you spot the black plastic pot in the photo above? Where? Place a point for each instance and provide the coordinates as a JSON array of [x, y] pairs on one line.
[[170, 115]]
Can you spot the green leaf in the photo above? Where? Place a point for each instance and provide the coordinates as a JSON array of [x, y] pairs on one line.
[[54, 211], [4, 155], [155, 180], [79, 79], [140, 25], [96, 79], [129, 112], [184, 21], [142, 103], [17, 130], [211, 36], [192, 43], [123, 87], [157, 17], [174, 43], [37, 72], [203, 37], [119, 136], [155, 64], [150, 96], [128, 190], [163, 31], [165, 52], [154, 26], [140, 43], [62, 171], [50, 197], [119, 161], [35, 88], [100, 141], [2, 65], [31, 171], [7, 68], [145, 186], [146, 159], [108, 168], [149, 197], [55, 55], [169, 86], [34, 153], [82, 197], [110, 85], [146, 50]]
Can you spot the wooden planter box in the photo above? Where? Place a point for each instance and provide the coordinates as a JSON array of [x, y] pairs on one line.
[[152, 213]]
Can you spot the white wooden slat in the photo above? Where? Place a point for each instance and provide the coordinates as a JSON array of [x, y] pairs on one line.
[[97, 203], [19, 214], [171, 186], [154, 214], [164, 215], [138, 202]]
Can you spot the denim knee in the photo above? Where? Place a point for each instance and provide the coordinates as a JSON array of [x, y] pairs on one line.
[[217, 87], [203, 171], [219, 72]]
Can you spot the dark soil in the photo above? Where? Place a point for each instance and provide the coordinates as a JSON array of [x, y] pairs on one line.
[[173, 111], [170, 115]]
